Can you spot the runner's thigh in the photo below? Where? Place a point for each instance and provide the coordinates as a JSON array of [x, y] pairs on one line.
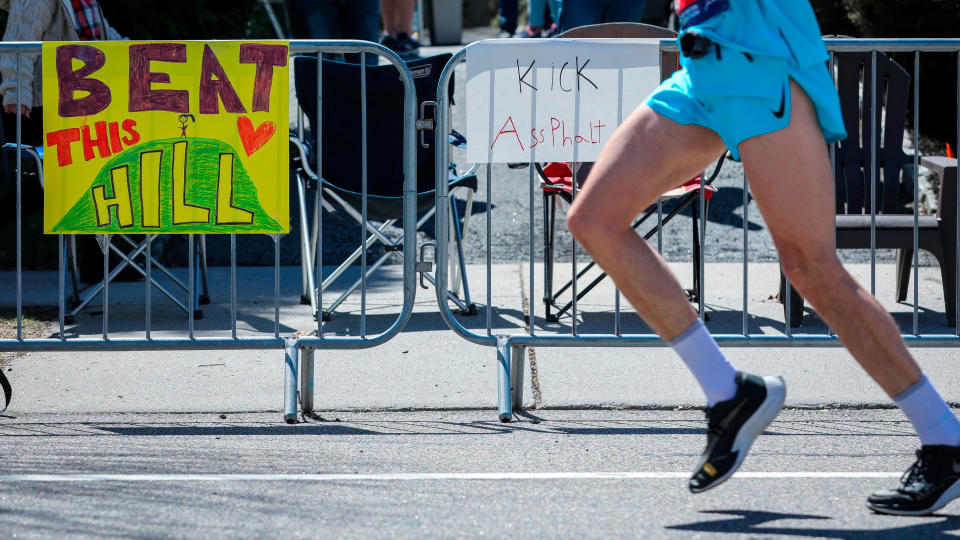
[[791, 180], [648, 155]]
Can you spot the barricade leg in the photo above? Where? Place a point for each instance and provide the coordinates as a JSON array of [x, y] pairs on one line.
[[518, 360], [504, 401], [290, 381], [306, 380]]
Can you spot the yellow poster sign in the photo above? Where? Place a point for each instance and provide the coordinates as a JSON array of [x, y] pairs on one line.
[[171, 137]]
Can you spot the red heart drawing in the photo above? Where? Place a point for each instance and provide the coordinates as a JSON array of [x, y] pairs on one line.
[[253, 139]]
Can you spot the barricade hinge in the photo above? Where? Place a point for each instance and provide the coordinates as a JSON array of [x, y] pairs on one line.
[[425, 124], [423, 266]]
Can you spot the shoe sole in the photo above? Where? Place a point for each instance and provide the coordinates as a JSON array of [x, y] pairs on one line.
[[948, 495], [759, 420]]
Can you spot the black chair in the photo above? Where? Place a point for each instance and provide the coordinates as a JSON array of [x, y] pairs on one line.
[[341, 176], [854, 179]]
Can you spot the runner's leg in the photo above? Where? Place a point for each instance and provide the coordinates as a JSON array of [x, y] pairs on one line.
[[791, 180], [794, 194], [646, 156]]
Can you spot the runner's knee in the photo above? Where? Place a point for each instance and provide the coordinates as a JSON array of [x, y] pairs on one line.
[[811, 271]]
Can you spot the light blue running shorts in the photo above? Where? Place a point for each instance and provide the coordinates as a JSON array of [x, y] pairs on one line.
[[741, 88]]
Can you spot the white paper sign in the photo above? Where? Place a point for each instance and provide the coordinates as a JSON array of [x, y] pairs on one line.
[[553, 99]]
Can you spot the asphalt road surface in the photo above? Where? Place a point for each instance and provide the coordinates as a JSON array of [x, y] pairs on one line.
[[558, 474]]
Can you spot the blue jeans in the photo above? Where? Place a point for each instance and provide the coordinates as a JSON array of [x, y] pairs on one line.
[[336, 19], [536, 12], [508, 15], [574, 13]]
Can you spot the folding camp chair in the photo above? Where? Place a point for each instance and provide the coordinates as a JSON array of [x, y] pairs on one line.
[[128, 259], [556, 182], [342, 162]]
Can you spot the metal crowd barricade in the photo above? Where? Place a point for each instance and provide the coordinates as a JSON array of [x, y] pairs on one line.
[[511, 346], [298, 368]]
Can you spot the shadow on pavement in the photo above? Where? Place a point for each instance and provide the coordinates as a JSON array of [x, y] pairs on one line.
[[751, 523]]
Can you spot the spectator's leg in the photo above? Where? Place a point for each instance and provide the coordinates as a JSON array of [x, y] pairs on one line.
[[535, 13], [508, 17], [574, 13], [553, 6], [397, 16], [360, 19], [625, 11], [314, 19]]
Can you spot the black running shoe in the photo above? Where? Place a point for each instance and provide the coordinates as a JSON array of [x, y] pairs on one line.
[[732, 425], [927, 486]]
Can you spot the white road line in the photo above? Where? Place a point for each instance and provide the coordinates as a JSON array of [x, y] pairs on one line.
[[387, 477]]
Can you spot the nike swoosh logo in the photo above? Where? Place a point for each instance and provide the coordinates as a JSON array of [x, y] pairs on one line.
[[783, 100], [725, 423]]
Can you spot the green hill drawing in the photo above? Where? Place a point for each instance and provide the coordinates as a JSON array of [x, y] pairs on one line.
[[202, 158]]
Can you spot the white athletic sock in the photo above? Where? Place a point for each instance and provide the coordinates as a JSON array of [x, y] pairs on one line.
[[700, 352], [930, 415]]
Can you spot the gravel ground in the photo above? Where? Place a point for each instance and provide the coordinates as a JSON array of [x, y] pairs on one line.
[[36, 323]]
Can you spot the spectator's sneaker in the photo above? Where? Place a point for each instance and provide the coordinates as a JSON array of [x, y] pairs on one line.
[[389, 42], [407, 47], [549, 32], [531, 32], [732, 425], [928, 485], [504, 34]]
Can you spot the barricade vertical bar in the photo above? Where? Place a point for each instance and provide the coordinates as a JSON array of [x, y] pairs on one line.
[[306, 380], [105, 247], [620, 120], [490, 130], [957, 262], [233, 286], [192, 283], [703, 246], [532, 304], [573, 246], [916, 192], [307, 271], [617, 330], [503, 378], [488, 311], [660, 225], [276, 285], [318, 209], [874, 127], [292, 352], [61, 304], [833, 159], [147, 301], [20, 211], [518, 357], [786, 303], [363, 199], [575, 167], [746, 256]]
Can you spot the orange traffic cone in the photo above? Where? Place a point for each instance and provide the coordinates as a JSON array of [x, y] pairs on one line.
[[950, 151]]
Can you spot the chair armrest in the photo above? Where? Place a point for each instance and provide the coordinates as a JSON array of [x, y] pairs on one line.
[[304, 162], [34, 152], [947, 169]]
